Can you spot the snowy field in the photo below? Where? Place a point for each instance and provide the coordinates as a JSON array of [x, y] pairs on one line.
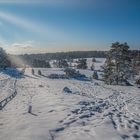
[[90, 111]]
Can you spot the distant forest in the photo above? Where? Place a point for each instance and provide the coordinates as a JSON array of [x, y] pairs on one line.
[[65, 55], [28, 59], [33, 59]]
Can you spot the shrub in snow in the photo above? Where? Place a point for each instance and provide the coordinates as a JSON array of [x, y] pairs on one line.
[[33, 72], [67, 90], [62, 63], [138, 81], [96, 84], [93, 60], [39, 72], [82, 64], [41, 86], [72, 73], [57, 76], [95, 75]]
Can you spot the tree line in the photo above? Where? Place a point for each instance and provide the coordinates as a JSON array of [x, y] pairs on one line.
[[121, 63], [42, 60]]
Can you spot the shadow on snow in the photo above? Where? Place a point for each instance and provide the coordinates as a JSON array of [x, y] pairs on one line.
[[13, 72]]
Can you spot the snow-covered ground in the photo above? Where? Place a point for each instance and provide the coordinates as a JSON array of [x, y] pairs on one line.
[[91, 111]]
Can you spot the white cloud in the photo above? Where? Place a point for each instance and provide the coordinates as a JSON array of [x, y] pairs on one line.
[[21, 45], [19, 48]]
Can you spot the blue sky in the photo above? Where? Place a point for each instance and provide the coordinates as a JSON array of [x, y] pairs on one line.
[[66, 25]]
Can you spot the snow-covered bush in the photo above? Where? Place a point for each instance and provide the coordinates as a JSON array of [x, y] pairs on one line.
[[138, 81], [95, 75], [57, 76], [67, 90], [72, 73], [62, 63], [39, 72], [96, 84], [82, 64], [32, 71], [93, 60]]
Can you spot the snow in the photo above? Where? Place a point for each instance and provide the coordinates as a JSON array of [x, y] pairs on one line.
[[91, 111]]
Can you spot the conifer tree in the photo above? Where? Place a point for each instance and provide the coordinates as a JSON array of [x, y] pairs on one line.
[[117, 67], [62, 63], [82, 64], [108, 71]]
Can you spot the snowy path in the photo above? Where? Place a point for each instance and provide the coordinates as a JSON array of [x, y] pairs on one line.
[[92, 111]]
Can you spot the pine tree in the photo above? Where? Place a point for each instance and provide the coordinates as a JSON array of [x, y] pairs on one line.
[[108, 68], [62, 63], [82, 64], [136, 64], [117, 68]]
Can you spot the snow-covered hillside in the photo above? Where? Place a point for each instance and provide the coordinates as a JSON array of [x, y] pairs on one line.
[[90, 111]]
